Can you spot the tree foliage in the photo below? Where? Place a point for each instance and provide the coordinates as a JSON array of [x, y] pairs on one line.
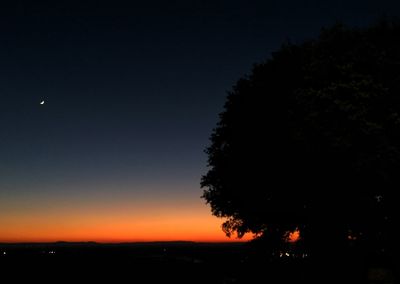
[[311, 140]]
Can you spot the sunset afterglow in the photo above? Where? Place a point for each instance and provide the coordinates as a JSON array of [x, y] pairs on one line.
[[115, 218]]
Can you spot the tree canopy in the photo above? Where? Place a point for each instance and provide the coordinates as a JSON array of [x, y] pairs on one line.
[[310, 140]]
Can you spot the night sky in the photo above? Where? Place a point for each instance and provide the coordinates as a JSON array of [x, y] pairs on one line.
[[131, 95]]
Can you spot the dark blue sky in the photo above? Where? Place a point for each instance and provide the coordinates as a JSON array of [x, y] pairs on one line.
[[132, 91]]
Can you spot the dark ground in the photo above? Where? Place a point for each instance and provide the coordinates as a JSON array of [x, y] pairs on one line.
[[176, 262]]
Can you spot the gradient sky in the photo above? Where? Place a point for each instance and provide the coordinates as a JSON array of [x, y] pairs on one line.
[[132, 92]]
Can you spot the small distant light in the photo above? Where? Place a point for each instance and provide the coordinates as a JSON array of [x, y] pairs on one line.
[[287, 254], [42, 102], [4, 253], [352, 237]]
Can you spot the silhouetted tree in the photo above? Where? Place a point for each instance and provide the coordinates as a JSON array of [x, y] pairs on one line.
[[311, 140]]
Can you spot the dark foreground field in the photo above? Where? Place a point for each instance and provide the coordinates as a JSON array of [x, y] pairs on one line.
[[177, 262]]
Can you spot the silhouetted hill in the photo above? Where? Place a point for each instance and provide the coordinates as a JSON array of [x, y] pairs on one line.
[[170, 262]]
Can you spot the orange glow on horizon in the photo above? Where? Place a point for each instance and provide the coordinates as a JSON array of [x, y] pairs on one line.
[[293, 236], [116, 223], [170, 228]]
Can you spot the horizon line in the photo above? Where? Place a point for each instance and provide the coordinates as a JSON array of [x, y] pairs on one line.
[[114, 242]]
